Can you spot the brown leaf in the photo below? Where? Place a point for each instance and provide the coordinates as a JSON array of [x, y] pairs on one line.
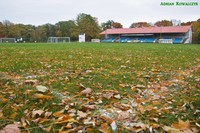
[[63, 132], [65, 119], [81, 114], [82, 86], [122, 106], [107, 119], [171, 130], [47, 114], [48, 129], [31, 82], [140, 86], [137, 127], [123, 115], [86, 91], [88, 107], [36, 120], [108, 95], [141, 109], [11, 128], [105, 128], [23, 122], [181, 125], [37, 112]]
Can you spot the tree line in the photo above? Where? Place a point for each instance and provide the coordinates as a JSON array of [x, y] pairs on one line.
[[84, 23]]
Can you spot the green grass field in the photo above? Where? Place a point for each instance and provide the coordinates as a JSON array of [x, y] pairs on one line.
[[136, 87]]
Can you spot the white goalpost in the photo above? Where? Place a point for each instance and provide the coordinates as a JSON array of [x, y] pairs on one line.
[[7, 40], [58, 40]]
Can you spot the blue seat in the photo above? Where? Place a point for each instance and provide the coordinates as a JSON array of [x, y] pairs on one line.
[[150, 40], [178, 40], [123, 39]]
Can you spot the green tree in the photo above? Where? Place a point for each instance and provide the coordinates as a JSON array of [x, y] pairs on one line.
[[61, 29], [67, 29], [14, 31], [107, 25], [50, 30], [1, 30], [25, 32], [72, 30], [186, 23], [39, 34], [9, 29], [196, 31], [139, 25], [88, 25], [6, 28]]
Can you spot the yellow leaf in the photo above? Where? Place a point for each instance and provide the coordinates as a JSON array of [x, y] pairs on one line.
[[64, 118], [23, 122], [12, 116], [41, 96], [4, 100], [1, 114], [43, 120], [122, 85], [62, 132], [59, 113], [141, 109]]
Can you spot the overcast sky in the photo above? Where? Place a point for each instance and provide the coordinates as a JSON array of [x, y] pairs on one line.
[[38, 12]]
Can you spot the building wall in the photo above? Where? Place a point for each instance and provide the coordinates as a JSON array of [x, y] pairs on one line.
[[188, 35]]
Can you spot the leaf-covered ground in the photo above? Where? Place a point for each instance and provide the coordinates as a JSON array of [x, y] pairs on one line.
[[99, 88]]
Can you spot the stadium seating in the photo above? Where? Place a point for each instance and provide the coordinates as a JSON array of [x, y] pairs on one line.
[[150, 40], [128, 39], [178, 40], [123, 39], [109, 40], [146, 40]]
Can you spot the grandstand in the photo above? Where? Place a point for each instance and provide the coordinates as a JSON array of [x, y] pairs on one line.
[[168, 34]]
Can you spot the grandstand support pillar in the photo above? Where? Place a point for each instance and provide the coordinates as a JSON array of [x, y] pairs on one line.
[[106, 36]]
